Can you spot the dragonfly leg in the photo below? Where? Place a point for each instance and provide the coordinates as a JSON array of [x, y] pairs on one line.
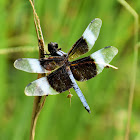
[[69, 96]]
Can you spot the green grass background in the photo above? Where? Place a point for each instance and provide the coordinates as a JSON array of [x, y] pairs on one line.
[[64, 21]]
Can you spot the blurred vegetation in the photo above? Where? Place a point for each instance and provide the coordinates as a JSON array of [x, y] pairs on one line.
[[64, 21]]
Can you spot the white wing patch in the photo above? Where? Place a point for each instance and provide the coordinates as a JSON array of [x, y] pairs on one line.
[[89, 36], [99, 59], [103, 57], [35, 66], [40, 87], [92, 32], [29, 65]]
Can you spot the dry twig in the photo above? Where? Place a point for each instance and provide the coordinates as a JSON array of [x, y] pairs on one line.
[[38, 103]]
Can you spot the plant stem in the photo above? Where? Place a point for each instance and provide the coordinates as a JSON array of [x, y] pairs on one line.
[[135, 61], [38, 101]]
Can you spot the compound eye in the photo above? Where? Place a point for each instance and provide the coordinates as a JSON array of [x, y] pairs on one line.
[[50, 47], [56, 45]]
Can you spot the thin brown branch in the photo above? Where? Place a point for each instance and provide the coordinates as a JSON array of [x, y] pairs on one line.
[[38, 101], [37, 23]]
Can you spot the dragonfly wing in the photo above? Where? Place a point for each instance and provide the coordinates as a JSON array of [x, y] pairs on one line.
[[40, 87], [92, 32], [88, 67], [83, 69], [44, 65], [29, 65], [86, 42], [55, 83], [103, 57]]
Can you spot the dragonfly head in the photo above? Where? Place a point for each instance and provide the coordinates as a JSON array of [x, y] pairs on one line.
[[53, 48]]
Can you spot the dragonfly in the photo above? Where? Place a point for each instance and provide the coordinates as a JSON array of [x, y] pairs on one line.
[[62, 72]]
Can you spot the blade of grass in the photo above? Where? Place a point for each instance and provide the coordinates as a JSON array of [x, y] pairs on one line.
[[17, 49], [135, 61]]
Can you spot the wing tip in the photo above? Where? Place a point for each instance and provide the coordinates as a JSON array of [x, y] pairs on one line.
[[26, 90], [98, 23], [114, 49], [97, 19], [16, 62]]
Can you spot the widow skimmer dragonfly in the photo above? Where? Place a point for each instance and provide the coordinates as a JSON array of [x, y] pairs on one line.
[[64, 72]]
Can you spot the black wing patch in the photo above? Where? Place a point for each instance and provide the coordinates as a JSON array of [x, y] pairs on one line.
[[86, 42], [83, 69], [52, 63], [79, 48], [59, 80]]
